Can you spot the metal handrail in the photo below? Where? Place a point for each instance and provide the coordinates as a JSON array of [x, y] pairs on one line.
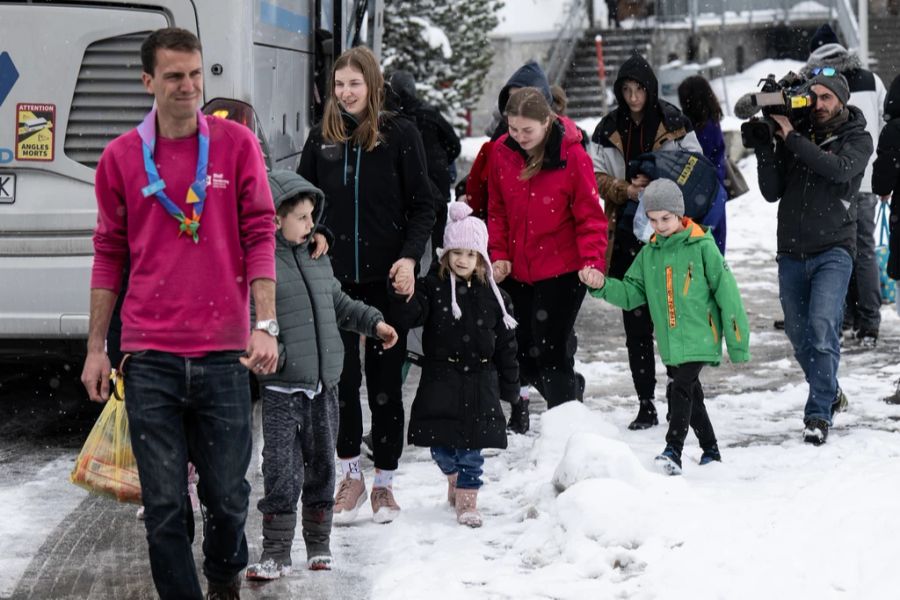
[[564, 46], [847, 22]]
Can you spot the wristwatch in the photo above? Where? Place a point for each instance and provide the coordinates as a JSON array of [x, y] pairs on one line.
[[270, 326]]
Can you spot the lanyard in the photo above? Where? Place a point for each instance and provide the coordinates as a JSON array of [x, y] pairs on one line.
[[196, 194]]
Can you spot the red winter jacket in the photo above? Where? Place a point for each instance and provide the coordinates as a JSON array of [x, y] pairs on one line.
[[553, 223]]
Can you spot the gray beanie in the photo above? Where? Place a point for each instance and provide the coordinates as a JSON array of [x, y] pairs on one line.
[[663, 194], [287, 184], [837, 83]]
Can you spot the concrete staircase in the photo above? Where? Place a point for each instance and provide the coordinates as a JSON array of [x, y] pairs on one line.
[[884, 46], [581, 82]]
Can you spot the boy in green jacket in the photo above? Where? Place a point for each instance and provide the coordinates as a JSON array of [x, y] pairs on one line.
[[694, 302]]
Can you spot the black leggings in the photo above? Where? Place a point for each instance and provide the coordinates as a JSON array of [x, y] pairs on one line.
[[384, 382], [546, 312]]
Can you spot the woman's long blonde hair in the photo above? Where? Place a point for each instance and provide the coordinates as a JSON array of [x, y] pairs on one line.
[[366, 133], [530, 103]]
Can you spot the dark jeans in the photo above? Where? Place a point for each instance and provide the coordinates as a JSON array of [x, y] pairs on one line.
[[191, 409], [638, 326], [298, 450], [863, 310], [686, 407], [466, 462], [384, 382], [812, 297], [546, 312]]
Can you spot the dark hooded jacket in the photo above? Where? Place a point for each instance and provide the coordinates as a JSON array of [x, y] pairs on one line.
[[816, 183], [470, 364], [439, 138], [618, 139], [380, 203], [310, 304], [886, 172]]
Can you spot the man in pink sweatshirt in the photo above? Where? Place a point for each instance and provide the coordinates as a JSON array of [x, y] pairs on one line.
[[184, 198]]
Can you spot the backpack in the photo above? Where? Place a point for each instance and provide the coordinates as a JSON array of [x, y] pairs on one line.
[[694, 173]]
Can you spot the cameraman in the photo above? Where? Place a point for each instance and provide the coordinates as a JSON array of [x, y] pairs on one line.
[[815, 172]]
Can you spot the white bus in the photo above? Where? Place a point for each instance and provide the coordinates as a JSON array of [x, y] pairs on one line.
[[82, 75]]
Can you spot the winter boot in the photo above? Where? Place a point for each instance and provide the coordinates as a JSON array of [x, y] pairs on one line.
[[351, 494], [519, 421], [451, 488], [646, 417], [317, 535], [669, 462], [466, 507], [895, 397], [224, 591], [278, 536], [840, 404], [711, 454], [815, 432]]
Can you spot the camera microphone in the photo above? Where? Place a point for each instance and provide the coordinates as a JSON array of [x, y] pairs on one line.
[[745, 107]]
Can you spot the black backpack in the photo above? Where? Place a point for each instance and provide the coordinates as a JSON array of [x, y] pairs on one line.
[[694, 173]]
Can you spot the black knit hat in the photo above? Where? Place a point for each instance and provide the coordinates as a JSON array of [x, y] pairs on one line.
[[823, 35]]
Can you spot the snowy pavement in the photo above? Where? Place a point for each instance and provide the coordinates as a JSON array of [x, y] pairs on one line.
[[574, 509]]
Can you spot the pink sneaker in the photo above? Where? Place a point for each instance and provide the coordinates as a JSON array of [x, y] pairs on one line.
[[384, 508], [351, 494], [466, 508]]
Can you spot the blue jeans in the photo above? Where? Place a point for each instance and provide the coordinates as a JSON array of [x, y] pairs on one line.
[[812, 296], [467, 463], [196, 409]]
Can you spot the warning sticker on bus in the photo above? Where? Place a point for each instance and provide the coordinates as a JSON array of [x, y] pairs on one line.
[[35, 131]]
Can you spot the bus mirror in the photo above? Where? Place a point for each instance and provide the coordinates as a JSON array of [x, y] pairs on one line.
[[243, 113]]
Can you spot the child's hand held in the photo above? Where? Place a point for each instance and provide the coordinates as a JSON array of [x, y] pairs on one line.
[[387, 335]]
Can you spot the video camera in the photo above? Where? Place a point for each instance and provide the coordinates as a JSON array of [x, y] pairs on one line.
[[787, 97]]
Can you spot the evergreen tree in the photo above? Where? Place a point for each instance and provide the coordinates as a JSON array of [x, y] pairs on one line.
[[445, 45]]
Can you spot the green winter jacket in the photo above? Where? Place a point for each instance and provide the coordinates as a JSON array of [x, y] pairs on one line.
[[692, 295]]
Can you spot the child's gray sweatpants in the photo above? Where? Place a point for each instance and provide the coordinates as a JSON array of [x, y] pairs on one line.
[[298, 450]]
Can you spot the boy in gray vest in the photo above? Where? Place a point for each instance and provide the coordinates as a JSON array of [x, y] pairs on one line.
[[299, 400]]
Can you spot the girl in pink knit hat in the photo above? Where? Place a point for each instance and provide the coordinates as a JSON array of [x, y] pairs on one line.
[[469, 343]]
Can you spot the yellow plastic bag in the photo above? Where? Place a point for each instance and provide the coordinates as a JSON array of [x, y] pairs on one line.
[[106, 464]]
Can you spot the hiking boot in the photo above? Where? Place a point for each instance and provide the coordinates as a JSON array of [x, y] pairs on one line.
[[224, 591], [867, 338], [519, 420], [317, 536], [669, 462], [384, 508], [646, 417], [278, 537], [580, 384], [840, 404], [451, 488], [815, 432], [778, 324], [710, 454], [351, 494], [895, 397], [466, 508]]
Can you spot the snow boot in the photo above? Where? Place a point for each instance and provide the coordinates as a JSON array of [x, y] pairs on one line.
[[580, 384], [840, 404], [711, 454], [895, 397], [815, 432], [519, 421], [317, 535], [451, 488], [466, 508], [278, 536], [224, 591], [646, 417], [669, 462]]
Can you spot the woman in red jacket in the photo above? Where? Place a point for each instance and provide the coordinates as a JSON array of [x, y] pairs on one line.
[[547, 232]]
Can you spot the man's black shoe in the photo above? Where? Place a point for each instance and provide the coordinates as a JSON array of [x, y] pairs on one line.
[[646, 417], [581, 384], [840, 404], [778, 324], [519, 421], [815, 432]]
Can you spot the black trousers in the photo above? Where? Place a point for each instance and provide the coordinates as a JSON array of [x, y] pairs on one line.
[[638, 326], [546, 312], [384, 382], [686, 407]]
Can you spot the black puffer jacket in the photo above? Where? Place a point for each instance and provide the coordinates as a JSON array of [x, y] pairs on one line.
[[470, 364], [380, 203], [886, 172], [817, 185]]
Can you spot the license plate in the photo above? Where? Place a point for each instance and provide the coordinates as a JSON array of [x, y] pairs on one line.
[[7, 188]]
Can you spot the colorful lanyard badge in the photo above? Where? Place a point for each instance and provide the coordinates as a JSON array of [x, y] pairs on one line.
[[196, 194]]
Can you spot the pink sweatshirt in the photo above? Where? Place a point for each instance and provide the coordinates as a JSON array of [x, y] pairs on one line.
[[185, 298]]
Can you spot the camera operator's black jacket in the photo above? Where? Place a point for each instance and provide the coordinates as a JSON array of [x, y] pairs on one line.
[[816, 184], [886, 172]]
